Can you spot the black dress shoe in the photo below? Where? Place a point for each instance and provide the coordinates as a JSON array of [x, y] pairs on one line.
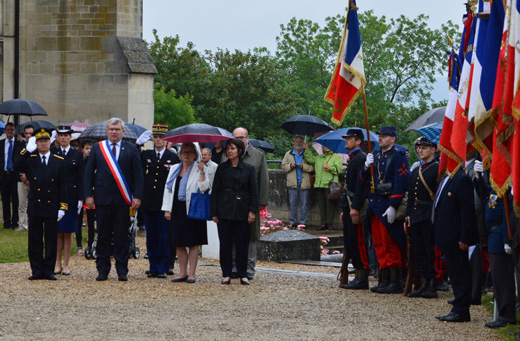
[[244, 282], [152, 274], [454, 317], [35, 277], [161, 275], [226, 282], [451, 301], [147, 272], [170, 272], [122, 278], [497, 324], [101, 277], [51, 278]]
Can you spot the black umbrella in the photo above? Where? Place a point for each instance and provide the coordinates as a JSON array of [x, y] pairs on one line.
[[197, 132], [432, 116], [305, 125], [21, 106], [38, 124], [264, 145], [98, 132]]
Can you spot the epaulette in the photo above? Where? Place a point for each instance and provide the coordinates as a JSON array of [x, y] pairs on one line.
[[58, 157], [64, 206], [33, 155]]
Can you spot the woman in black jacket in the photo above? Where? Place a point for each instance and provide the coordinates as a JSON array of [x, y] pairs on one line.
[[234, 203]]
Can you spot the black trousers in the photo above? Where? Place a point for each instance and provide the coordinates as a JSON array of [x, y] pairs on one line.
[[237, 232], [113, 220], [90, 225], [459, 272], [503, 275], [43, 234], [354, 242], [423, 247], [9, 192], [171, 245]]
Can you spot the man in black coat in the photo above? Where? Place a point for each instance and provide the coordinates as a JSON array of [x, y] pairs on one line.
[[352, 202], [47, 201], [9, 178], [114, 179], [156, 165], [454, 221], [423, 186]]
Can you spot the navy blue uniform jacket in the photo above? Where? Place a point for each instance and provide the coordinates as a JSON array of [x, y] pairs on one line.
[[105, 189], [455, 217], [74, 172], [155, 175], [47, 185]]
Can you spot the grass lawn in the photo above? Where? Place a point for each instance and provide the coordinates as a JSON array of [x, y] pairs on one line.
[[13, 245]]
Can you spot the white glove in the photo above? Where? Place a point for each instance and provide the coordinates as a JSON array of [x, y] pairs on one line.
[[508, 249], [80, 204], [144, 138], [31, 144], [53, 136], [390, 214], [370, 160], [61, 213], [478, 168]]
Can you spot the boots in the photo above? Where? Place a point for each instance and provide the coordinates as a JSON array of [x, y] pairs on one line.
[[360, 282], [421, 290], [384, 280], [396, 285], [431, 289]]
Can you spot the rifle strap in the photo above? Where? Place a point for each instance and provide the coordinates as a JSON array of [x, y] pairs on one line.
[[425, 184]]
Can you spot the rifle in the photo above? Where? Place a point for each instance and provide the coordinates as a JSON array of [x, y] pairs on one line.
[[411, 263]]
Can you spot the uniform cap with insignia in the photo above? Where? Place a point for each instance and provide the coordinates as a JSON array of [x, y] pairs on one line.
[[159, 129], [42, 133], [64, 129]]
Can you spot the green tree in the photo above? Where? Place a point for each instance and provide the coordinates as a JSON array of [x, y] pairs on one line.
[[172, 110]]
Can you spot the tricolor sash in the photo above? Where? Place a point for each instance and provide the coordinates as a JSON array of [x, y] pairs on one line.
[[110, 158]]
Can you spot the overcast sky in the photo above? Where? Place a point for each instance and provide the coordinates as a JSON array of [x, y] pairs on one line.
[[245, 24]]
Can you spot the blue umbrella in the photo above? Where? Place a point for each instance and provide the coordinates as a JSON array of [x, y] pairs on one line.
[[432, 131], [2, 127], [335, 141]]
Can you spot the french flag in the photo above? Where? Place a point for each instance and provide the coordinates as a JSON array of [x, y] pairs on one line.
[[348, 79]]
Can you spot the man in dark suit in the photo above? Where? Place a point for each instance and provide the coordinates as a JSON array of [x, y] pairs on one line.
[[454, 222], [423, 186], [47, 201], [352, 203], [156, 166], [9, 179], [114, 179]]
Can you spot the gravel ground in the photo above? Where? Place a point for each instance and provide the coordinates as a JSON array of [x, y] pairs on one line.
[[274, 306]]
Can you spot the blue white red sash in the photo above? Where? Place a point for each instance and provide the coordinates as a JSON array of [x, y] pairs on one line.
[[110, 158]]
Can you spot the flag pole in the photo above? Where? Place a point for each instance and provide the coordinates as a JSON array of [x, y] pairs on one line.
[[373, 186]]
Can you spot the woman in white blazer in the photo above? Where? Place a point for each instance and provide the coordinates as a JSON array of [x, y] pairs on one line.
[[184, 179]]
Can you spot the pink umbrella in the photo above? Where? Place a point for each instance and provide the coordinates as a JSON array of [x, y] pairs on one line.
[[197, 132], [78, 127]]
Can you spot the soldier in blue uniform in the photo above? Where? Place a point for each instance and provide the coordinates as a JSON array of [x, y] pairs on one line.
[[391, 173], [47, 201], [423, 186], [352, 202], [156, 166]]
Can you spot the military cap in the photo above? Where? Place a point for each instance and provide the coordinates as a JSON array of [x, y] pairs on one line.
[[61, 129], [388, 130], [159, 129], [423, 141], [42, 133], [354, 133]]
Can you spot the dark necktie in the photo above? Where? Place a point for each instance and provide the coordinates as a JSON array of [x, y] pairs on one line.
[[64, 152], [114, 150], [158, 156], [10, 157], [43, 161]]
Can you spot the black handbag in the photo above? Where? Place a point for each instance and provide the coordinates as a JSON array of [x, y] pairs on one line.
[[335, 190], [199, 206]]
